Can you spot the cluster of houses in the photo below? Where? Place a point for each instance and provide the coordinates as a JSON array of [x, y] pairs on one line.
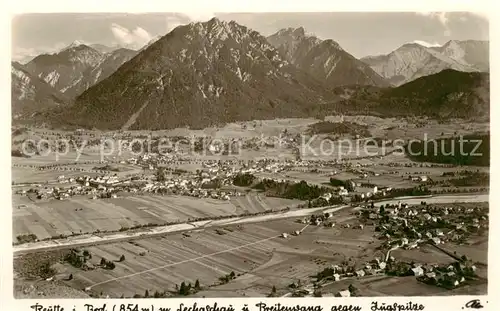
[[74, 167], [449, 276], [110, 185], [408, 226], [374, 267], [405, 226]]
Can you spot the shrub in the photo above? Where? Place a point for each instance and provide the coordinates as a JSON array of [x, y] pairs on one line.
[[26, 238], [243, 180]]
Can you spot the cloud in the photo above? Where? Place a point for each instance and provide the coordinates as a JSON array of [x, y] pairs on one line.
[[427, 44], [442, 17], [23, 54], [136, 38]]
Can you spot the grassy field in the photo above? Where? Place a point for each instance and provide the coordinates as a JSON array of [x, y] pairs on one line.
[[231, 254], [272, 260], [260, 259], [83, 215]]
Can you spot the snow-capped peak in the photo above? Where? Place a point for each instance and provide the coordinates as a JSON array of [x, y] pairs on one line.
[[74, 44], [427, 44]]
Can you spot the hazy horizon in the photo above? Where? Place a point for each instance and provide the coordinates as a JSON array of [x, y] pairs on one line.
[[359, 33]]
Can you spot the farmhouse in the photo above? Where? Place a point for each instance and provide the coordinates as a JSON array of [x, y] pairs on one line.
[[360, 273], [417, 271]]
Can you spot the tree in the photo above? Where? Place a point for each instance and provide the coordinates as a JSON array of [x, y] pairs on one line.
[[122, 258], [273, 290], [70, 277], [353, 290], [197, 285], [183, 289], [232, 275], [160, 174], [110, 265], [382, 210], [146, 294], [103, 261]]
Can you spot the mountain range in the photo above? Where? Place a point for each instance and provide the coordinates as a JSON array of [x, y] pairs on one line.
[[77, 67], [200, 75], [446, 94], [412, 61], [204, 74], [31, 94], [324, 59]]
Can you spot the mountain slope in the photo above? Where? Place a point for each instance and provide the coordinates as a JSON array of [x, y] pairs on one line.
[[447, 94], [412, 61], [325, 60], [199, 75], [65, 69], [31, 94], [473, 53], [108, 64]]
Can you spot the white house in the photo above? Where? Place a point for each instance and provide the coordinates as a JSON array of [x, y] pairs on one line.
[[417, 271], [344, 293]]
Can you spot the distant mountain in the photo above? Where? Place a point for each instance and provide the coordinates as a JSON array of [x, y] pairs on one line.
[[101, 48], [473, 53], [23, 60], [30, 94], [447, 94], [65, 69], [199, 75], [324, 59], [108, 64], [413, 60]]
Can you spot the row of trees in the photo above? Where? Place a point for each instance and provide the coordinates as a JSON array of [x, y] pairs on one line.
[[347, 184], [290, 190], [186, 289]]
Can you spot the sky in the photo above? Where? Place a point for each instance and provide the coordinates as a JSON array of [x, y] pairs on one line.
[[359, 33]]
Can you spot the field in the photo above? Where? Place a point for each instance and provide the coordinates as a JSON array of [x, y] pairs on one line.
[[83, 215], [26, 175], [257, 254], [260, 259], [217, 255]]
